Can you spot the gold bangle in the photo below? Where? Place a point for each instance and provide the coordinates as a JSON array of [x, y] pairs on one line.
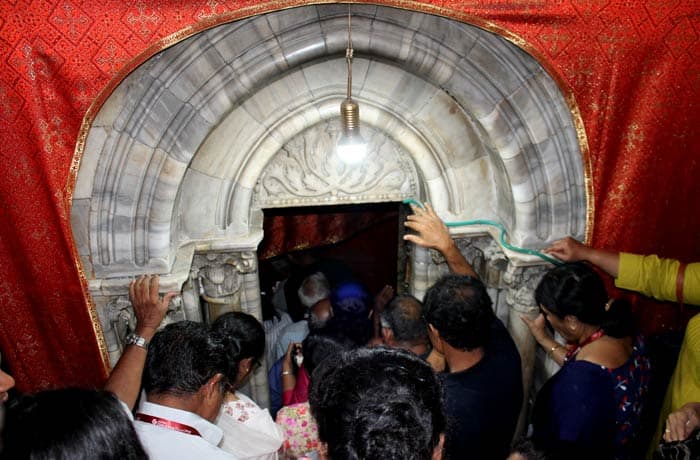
[[553, 349]]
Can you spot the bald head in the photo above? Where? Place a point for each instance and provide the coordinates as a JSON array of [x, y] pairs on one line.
[[403, 317], [320, 313]]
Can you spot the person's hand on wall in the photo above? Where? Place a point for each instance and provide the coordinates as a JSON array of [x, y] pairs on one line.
[[538, 329], [568, 250], [149, 307], [431, 232], [681, 423]]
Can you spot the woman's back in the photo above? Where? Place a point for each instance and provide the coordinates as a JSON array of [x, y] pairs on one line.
[[587, 405]]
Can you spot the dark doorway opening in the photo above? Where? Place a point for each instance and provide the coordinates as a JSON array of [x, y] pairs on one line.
[[367, 238]]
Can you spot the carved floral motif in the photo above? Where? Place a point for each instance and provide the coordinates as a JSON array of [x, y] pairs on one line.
[[307, 170]]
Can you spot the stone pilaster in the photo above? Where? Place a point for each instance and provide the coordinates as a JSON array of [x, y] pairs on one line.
[[520, 283]]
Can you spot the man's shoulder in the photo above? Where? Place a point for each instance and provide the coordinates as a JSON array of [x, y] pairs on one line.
[[501, 345], [294, 328], [163, 443]]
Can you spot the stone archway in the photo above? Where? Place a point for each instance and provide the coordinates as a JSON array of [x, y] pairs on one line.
[[185, 153]]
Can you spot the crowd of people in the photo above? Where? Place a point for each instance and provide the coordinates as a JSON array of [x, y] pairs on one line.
[[356, 376]]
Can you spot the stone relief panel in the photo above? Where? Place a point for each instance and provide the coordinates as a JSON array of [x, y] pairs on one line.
[[214, 287], [520, 283], [218, 279], [307, 170]]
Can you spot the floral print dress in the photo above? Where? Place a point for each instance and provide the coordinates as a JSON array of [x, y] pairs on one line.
[[300, 431]]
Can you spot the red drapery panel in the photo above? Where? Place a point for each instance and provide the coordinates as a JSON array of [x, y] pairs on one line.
[[287, 233], [633, 69]]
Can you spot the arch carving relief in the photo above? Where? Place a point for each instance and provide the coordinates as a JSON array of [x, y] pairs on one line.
[[306, 170]]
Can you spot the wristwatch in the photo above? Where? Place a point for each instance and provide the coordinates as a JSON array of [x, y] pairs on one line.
[[133, 339]]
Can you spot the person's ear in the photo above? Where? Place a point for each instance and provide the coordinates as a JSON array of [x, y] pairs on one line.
[[572, 322], [212, 388], [435, 339], [245, 366], [210, 397], [432, 330], [439, 449]]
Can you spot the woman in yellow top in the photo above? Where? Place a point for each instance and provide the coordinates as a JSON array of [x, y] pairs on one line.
[[658, 278]]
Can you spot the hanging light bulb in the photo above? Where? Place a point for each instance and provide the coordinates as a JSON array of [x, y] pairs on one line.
[[351, 148]]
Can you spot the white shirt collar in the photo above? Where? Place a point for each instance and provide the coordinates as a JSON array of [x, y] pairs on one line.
[[210, 432]]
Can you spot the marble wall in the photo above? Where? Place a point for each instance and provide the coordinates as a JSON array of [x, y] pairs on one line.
[[190, 147]]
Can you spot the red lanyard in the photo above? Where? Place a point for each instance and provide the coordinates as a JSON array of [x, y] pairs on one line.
[[595, 336], [169, 424]]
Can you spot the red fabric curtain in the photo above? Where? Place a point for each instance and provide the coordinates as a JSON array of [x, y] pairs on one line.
[[292, 232], [633, 69]]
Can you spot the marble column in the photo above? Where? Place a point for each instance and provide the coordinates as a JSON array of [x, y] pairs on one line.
[[520, 283], [229, 282]]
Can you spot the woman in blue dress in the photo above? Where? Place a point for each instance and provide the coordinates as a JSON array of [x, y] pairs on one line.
[[591, 407]]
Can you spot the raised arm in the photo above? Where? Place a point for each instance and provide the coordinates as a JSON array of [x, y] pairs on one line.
[[570, 250], [150, 309], [431, 232], [649, 275]]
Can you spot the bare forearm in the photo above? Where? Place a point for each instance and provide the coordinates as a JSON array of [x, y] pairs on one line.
[[570, 250], [554, 349], [289, 381], [608, 261], [125, 379], [456, 261], [149, 309]]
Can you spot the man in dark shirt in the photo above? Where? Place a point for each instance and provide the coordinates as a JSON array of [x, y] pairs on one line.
[[483, 390]]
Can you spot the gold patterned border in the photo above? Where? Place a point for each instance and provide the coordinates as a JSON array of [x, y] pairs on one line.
[[92, 311], [272, 6]]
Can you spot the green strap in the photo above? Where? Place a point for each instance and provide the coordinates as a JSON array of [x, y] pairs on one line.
[[492, 223]]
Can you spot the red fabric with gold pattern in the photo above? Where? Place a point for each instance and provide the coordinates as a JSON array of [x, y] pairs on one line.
[[288, 233], [632, 67]]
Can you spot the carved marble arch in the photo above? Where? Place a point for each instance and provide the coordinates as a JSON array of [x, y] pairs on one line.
[[193, 144], [174, 156]]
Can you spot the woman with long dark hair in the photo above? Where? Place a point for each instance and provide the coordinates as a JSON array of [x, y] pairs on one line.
[[591, 407]]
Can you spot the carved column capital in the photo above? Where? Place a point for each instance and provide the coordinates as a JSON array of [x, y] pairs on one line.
[[520, 283]]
